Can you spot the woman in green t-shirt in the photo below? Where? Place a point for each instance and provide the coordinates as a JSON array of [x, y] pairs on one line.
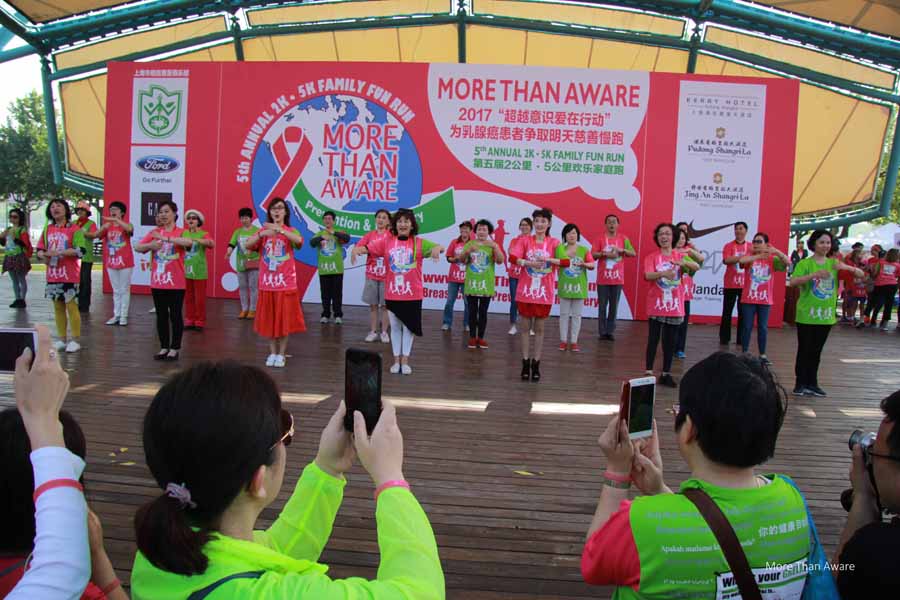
[[195, 271], [816, 276], [246, 263], [480, 255], [17, 244], [572, 286]]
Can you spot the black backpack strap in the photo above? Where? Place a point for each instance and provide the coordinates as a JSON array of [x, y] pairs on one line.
[[202, 594]]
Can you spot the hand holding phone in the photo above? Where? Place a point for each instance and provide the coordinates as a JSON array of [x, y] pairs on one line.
[[13, 342], [362, 387], [636, 406]]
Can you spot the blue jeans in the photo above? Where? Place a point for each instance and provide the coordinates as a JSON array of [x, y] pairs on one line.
[[453, 290], [513, 309], [761, 313]]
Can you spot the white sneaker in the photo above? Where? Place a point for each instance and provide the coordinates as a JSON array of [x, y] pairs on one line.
[[385, 338], [113, 321], [395, 368], [123, 321], [372, 336], [531, 332], [338, 321], [467, 327], [152, 310], [270, 360], [73, 346], [513, 330], [323, 320], [406, 370], [279, 360], [59, 346], [445, 327]]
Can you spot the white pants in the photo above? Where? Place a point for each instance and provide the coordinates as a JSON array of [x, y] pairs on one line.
[[120, 280], [401, 337], [570, 311], [247, 288]]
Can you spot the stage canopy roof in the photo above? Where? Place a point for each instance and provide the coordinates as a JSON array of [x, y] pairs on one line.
[[846, 53]]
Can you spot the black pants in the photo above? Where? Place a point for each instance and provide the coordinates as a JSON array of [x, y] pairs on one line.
[[682, 329], [84, 287], [478, 311], [669, 336], [883, 297], [169, 319], [332, 295], [732, 296], [810, 341]]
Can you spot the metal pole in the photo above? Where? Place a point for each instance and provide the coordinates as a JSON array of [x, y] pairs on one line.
[[695, 48], [50, 118], [461, 30], [236, 32]]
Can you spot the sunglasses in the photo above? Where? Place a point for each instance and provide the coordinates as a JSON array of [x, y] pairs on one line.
[[287, 426]]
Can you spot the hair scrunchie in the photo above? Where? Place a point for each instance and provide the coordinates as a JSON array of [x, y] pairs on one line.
[[180, 493]]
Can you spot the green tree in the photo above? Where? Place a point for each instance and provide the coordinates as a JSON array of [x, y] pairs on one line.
[[26, 177]]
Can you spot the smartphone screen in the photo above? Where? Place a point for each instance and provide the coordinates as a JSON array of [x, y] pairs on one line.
[[362, 387], [12, 343], [640, 412]]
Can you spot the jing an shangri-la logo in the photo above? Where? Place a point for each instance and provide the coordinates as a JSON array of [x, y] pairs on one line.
[[160, 111]]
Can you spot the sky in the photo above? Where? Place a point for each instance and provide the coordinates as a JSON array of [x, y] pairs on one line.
[[17, 78]]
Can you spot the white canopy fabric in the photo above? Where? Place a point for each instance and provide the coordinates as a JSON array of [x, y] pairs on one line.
[[886, 235]]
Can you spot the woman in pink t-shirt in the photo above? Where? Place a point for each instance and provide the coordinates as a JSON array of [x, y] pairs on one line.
[[118, 260], [278, 312], [60, 247], [683, 244], [665, 298], [373, 291], [757, 296], [885, 273], [167, 246], [514, 271], [403, 252], [456, 276], [534, 297]]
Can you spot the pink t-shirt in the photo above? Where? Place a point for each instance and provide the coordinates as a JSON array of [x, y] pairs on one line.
[[457, 272], [734, 277], [513, 270], [404, 262], [117, 253], [759, 282], [665, 298], [277, 268], [61, 269], [167, 263], [610, 271], [375, 268], [536, 286], [887, 274]]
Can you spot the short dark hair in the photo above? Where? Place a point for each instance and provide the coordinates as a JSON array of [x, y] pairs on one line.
[[656, 230], [737, 408], [764, 236], [570, 227], [892, 255], [120, 205], [329, 213], [543, 212], [857, 246], [383, 210], [614, 216], [17, 503], [170, 204], [742, 223], [465, 224], [209, 428], [405, 212], [287, 211], [891, 408], [20, 213], [58, 201], [487, 224], [245, 212], [526, 220], [811, 242]]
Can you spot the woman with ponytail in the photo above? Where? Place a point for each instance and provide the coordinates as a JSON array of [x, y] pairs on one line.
[[215, 439]]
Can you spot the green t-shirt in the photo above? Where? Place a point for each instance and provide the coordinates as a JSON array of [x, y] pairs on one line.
[[480, 270], [238, 241], [572, 280], [818, 297], [87, 244], [195, 257], [12, 248], [331, 257]]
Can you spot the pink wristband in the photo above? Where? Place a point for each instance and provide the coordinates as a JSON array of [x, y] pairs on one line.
[[56, 483], [390, 484], [617, 477]]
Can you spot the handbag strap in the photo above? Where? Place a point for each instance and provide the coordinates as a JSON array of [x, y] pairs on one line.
[[728, 542]]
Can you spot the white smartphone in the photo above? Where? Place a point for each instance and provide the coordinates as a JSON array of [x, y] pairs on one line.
[[13, 342], [636, 406]]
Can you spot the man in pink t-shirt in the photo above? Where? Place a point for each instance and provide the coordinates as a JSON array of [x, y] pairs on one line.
[[734, 282], [609, 250]]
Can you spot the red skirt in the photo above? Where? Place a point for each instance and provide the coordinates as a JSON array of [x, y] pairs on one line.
[[278, 314], [530, 310]]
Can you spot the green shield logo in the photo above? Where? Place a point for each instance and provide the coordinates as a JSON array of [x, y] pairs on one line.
[[160, 111]]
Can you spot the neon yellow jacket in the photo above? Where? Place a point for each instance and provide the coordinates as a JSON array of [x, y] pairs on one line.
[[280, 564]]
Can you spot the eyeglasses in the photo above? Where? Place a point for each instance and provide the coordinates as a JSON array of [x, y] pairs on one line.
[[287, 426]]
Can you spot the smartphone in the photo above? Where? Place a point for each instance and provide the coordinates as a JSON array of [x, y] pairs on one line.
[[362, 386], [12, 343], [636, 406]]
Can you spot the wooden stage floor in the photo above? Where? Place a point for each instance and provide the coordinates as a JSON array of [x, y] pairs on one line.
[[508, 471]]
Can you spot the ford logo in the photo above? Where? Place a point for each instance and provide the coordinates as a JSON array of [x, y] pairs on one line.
[[157, 164]]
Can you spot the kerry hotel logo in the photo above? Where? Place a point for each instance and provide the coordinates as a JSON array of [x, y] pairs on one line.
[[157, 163]]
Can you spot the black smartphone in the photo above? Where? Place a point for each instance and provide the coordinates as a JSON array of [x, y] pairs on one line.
[[12, 343], [362, 386]]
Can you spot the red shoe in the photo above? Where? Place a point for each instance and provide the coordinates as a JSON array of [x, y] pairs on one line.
[[473, 343], [563, 346], [574, 348], [483, 344]]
